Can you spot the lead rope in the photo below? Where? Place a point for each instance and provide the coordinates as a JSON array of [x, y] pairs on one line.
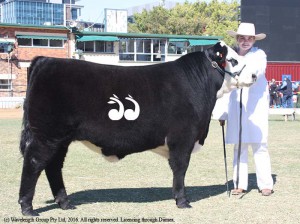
[[240, 143]]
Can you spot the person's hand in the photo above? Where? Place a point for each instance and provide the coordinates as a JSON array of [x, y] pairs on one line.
[[222, 122]]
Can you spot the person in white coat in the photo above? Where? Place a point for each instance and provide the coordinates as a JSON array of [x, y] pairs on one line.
[[251, 104]]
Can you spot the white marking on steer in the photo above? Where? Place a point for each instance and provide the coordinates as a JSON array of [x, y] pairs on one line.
[[97, 149], [222, 43], [161, 150], [197, 147], [164, 150], [244, 79]]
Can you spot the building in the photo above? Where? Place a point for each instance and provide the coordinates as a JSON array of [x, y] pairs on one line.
[[137, 48], [19, 44], [72, 11], [39, 12], [88, 26]]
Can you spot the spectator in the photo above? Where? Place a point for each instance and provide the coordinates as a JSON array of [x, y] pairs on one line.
[[273, 94], [287, 90]]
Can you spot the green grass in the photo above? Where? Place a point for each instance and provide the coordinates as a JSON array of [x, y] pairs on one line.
[[139, 186]]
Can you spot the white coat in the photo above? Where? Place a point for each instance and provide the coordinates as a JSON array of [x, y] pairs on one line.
[[255, 104]]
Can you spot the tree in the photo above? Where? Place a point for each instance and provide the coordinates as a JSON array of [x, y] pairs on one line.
[[153, 21], [221, 17], [199, 18], [186, 19]]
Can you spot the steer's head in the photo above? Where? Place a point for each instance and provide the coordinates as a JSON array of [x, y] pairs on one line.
[[232, 66]]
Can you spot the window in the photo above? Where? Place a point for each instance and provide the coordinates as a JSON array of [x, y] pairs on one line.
[[80, 46], [177, 47], [126, 50], [6, 47], [100, 46], [89, 46], [24, 42], [37, 42], [40, 42], [127, 45], [96, 46], [142, 49], [56, 43], [5, 84], [34, 12], [140, 46], [74, 14], [143, 46], [159, 50], [126, 57]]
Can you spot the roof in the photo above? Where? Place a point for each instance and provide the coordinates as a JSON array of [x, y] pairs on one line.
[[114, 36], [96, 38], [148, 35], [33, 26]]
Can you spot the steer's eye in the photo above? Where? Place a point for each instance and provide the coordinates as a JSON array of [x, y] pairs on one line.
[[219, 54], [233, 62]]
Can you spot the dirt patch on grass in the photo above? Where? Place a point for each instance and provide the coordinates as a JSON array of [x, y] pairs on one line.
[[11, 113]]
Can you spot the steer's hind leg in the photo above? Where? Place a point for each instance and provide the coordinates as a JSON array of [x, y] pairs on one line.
[[36, 155], [55, 178], [179, 161]]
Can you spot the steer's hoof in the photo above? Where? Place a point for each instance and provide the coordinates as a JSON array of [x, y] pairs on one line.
[[29, 212], [183, 203], [66, 205]]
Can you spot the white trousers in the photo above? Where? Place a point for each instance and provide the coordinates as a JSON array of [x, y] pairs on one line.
[[262, 165]]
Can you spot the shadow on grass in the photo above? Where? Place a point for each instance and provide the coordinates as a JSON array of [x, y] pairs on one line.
[[144, 195], [136, 195]]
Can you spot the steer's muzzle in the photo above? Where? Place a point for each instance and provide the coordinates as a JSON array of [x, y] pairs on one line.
[[254, 77]]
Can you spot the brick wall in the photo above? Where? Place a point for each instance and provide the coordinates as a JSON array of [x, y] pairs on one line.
[[4, 31], [25, 54], [20, 83], [10, 70], [28, 53]]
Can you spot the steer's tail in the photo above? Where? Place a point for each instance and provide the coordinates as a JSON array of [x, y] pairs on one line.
[[26, 135]]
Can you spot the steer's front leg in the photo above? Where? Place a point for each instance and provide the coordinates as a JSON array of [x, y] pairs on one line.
[[179, 162]]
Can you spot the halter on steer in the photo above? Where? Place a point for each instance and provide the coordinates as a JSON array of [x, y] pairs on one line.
[[215, 65]]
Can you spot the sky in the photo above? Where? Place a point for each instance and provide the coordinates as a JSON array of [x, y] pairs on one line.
[[94, 9]]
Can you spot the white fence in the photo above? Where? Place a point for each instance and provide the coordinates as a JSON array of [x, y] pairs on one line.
[[285, 112], [11, 102]]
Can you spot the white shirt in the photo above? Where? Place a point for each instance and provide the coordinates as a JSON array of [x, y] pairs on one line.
[[255, 104]]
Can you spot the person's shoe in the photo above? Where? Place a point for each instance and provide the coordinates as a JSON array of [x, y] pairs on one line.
[[238, 191], [266, 192]]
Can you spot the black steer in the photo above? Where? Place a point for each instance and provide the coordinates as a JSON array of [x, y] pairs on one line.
[[122, 110]]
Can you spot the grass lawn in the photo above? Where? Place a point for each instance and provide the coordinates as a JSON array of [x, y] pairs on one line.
[[138, 188]]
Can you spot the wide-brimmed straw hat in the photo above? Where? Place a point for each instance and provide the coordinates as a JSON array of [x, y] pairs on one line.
[[247, 29]]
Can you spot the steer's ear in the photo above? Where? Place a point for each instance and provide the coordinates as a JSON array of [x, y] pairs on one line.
[[218, 53]]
